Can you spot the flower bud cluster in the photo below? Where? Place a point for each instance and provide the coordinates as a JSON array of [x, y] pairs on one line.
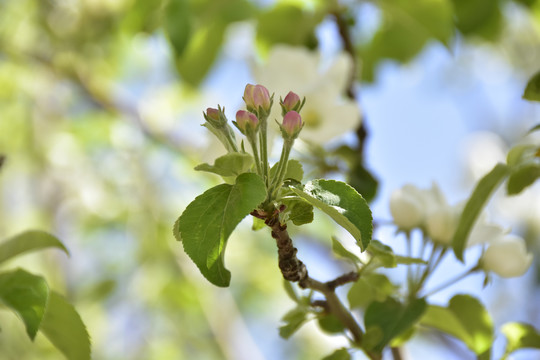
[[252, 123]]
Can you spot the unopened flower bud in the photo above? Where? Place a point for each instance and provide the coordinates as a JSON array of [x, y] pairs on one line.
[[291, 102], [407, 207], [507, 256], [441, 224], [216, 117], [246, 121], [257, 98], [292, 124]]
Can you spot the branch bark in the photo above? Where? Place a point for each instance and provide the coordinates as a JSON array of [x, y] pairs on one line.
[[294, 270], [348, 46]]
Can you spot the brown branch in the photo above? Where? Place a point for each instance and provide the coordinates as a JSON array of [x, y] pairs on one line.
[[294, 270], [348, 46], [396, 353], [343, 279]]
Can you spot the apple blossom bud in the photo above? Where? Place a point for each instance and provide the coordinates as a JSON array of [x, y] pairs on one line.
[[507, 257], [246, 121], [216, 117], [291, 102], [257, 98], [441, 224], [406, 207], [292, 124]]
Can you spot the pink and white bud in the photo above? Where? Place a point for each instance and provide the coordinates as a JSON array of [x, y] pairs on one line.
[[215, 117], [257, 98], [291, 102], [292, 124], [246, 120]]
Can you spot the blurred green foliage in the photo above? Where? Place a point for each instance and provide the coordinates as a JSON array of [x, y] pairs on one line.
[[82, 162]]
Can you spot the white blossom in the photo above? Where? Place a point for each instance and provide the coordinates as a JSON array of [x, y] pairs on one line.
[[327, 113], [406, 207], [411, 207], [507, 256]]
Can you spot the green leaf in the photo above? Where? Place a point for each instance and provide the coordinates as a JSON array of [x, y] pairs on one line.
[[383, 253], [290, 291], [294, 170], [200, 53], [63, 326], [27, 295], [466, 319], [521, 177], [370, 287], [403, 338], [478, 17], [485, 187], [363, 181], [520, 153], [527, 3], [293, 320], [520, 336], [340, 251], [343, 204], [391, 318], [177, 25], [339, 354], [229, 165], [532, 91], [300, 212], [209, 220], [534, 128], [406, 28], [287, 24], [258, 224], [386, 257], [407, 260], [330, 323], [28, 241]]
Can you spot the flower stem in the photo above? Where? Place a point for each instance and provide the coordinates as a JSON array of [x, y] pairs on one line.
[[453, 281], [264, 149], [253, 142], [230, 140], [433, 262], [282, 168]]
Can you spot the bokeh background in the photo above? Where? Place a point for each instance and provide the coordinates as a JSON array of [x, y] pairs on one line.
[[100, 109]]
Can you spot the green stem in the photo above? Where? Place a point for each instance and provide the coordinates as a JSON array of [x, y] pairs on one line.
[[282, 168], [264, 150], [453, 281], [253, 142], [230, 140], [409, 254], [433, 262], [421, 256]]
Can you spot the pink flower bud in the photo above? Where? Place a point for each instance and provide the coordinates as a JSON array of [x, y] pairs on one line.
[[216, 117], [292, 123], [246, 120], [212, 113], [291, 102], [257, 98]]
